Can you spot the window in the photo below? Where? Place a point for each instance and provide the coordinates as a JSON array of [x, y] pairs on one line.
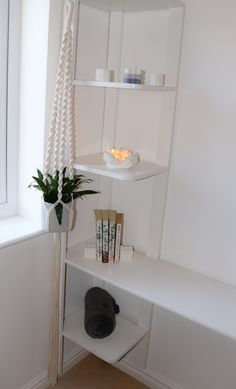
[[30, 30], [9, 69]]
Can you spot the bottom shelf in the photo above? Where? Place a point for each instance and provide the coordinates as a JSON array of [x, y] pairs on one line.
[[111, 349]]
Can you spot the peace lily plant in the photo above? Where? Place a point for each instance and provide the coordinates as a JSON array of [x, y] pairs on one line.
[[48, 185]]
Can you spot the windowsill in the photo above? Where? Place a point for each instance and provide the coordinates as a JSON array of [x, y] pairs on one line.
[[16, 229]]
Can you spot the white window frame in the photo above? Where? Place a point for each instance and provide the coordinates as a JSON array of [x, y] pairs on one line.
[[10, 16], [3, 98]]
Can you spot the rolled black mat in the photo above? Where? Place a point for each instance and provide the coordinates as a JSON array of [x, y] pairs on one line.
[[100, 311]]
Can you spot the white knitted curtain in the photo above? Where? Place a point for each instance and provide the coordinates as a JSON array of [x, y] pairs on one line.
[[60, 154]]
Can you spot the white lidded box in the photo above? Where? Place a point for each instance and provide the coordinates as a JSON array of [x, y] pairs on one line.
[[126, 252]]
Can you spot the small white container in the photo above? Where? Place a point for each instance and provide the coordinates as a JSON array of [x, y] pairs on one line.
[[50, 221], [90, 251], [134, 75], [157, 79], [126, 253], [104, 75]]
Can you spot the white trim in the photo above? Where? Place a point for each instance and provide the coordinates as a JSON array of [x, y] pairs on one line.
[[8, 208], [41, 380], [17, 229], [151, 379], [4, 22], [38, 382], [72, 359], [13, 103]]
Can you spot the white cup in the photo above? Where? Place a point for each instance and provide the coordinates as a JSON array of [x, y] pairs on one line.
[[157, 79], [104, 75]]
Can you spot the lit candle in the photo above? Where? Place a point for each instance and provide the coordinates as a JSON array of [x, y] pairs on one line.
[[120, 157], [120, 154]]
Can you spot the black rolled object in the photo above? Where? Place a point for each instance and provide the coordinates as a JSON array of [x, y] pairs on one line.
[[100, 311]]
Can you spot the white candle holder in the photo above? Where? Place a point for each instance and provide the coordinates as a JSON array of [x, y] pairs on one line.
[[104, 75], [120, 158]]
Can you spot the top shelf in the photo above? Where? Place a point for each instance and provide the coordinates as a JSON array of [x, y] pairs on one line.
[[132, 5], [123, 85]]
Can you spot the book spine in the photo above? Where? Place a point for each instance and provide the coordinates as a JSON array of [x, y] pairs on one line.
[[119, 233], [98, 216], [112, 236], [105, 236]]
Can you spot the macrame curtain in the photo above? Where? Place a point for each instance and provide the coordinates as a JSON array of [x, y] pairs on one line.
[[60, 154]]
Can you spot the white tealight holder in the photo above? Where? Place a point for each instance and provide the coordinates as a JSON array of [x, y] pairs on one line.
[[104, 75], [120, 158], [157, 79]]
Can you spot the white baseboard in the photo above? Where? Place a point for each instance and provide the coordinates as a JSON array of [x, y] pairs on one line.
[[152, 380], [38, 382], [73, 358], [41, 380]]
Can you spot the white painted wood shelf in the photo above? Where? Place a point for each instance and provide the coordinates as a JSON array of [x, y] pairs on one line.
[[196, 297], [95, 164], [131, 5], [124, 85], [112, 348]]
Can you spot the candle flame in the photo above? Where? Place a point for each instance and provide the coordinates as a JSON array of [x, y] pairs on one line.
[[120, 154]]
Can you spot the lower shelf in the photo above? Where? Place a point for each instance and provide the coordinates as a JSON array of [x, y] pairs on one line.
[[194, 296], [111, 349]]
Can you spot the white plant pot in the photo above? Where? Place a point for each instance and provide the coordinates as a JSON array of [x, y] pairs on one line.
[[50, 220]]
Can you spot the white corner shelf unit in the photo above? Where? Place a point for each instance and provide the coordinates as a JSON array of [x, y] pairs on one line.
[[96, 165], [109, 36], [112, 348], [123, 85], [139, 117]]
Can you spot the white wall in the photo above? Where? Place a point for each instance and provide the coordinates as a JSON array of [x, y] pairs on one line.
[[187, 356], [25, 268], [25, 273], [199, 230], [200, 219]]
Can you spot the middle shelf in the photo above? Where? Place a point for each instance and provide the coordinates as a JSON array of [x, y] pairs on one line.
[[95, 164]]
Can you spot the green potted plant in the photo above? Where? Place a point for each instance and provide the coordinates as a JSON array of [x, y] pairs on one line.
[[60, 216]]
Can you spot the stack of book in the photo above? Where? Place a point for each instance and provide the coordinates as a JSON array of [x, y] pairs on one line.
[[109, 231]]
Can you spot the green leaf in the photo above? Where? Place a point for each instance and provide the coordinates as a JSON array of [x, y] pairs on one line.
[[83, 193], [40, 175], [40, 183], [70, 187], [59, 212]]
